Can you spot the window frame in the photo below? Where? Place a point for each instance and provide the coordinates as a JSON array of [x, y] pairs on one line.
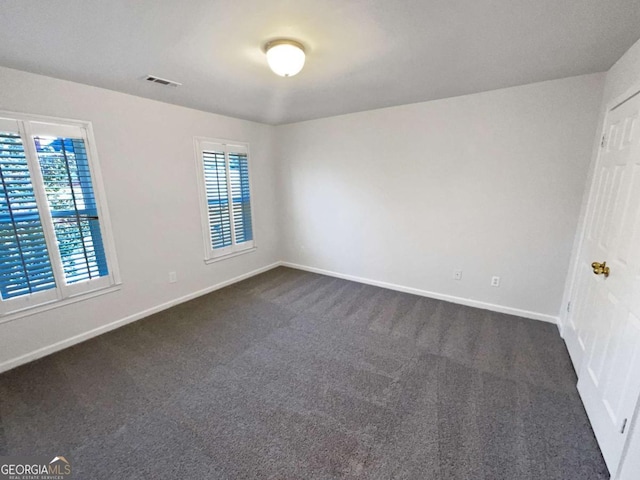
[[210, 254], [30, 126]]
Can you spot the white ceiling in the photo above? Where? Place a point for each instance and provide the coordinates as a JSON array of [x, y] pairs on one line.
[[362, 54]]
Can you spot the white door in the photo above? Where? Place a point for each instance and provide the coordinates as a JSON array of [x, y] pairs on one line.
[[603, 334]]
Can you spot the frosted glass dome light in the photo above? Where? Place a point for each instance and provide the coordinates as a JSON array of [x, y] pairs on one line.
[[285, 57]]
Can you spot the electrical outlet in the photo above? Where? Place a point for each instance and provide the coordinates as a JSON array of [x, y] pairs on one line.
[[457, 274], [495, 281], [173, 277]]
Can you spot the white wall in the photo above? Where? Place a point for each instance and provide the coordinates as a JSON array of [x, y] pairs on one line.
[[489, 183], [146, 153]]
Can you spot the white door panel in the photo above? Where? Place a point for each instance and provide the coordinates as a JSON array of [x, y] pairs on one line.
[[603, 330]]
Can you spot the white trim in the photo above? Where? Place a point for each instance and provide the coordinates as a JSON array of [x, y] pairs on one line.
[[425, 293], [14, 304], [31, 117], [75, 129], [230, 250], [100, 195], [590, 184], [570, 290], [57, 303], [44, 351], [564, 318], [42, 205], [229, 255], [226, 147], [561, 327], [46, 129], [202, 197], [230, 205], [9, 125]]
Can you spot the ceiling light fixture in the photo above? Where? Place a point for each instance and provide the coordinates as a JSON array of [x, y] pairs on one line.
[[285, 57]]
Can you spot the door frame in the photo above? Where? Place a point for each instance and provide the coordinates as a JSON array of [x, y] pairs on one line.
[[588, 205]]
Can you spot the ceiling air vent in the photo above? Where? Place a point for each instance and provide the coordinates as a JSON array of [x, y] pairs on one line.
[[162, 81]]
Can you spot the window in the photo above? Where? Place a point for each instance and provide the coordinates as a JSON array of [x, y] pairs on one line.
[[52, 240], [223, 168]]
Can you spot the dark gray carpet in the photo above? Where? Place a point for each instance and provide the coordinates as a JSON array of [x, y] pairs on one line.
[[292, 375]]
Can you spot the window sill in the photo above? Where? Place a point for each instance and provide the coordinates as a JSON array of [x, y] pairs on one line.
[[43, 307], [229, 255]]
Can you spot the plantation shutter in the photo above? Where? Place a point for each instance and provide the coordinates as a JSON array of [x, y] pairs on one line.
[[227, 218], [239, 178], [215, 177], [67, 183], [51, 243], [26, 267]]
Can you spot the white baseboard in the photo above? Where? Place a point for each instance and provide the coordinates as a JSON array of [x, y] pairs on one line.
[[42, 352], [425, 293], [561, 323]]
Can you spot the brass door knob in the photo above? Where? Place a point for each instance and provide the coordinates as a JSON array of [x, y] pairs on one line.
[[600, 268]]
